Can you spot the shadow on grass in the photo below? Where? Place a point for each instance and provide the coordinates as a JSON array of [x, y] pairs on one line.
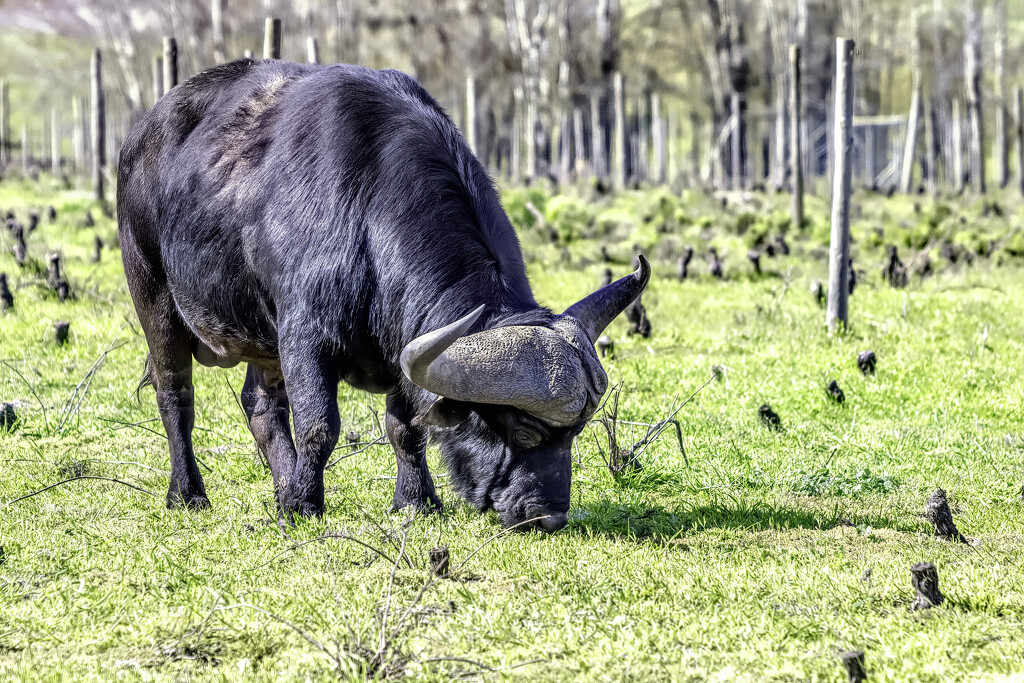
[[646, 521]]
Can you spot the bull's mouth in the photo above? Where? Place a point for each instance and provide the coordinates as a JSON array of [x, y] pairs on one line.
[[548, 519]]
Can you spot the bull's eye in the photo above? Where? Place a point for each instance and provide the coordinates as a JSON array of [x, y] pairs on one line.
[[524, 437]]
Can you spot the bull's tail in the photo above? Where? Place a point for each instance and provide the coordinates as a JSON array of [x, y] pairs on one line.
[[147, 377]]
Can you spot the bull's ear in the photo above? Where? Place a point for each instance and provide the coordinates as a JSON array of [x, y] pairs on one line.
[[444, 413]]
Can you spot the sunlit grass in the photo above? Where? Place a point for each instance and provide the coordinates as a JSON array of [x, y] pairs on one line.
[[761, 559]]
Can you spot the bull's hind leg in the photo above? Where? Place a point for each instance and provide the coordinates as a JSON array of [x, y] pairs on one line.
[[266, 405], [170, 369], [312, 380]]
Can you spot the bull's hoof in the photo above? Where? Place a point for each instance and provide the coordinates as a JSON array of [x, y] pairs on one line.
[[177, 500], [291, 511], [426, 505]]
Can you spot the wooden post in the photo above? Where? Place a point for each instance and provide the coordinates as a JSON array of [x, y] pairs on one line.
[[312, 50], [619, 135], [272, 38], [796, 166], [217, 30], [839, 248], [170, 64], [736, 142], [1018, 147], [471, 113], [658, 140], [99, 128], [55, 140], [958, 147], [907, 171], [972, 79], [158, 77], [5, 123]]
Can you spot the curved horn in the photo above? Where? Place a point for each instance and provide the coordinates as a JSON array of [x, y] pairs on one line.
[[600, 308], [424, 349]]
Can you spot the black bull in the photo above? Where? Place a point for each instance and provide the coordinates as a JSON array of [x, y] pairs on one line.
[[329, 223]]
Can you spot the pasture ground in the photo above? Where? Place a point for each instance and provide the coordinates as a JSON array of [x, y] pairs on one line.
[[760, 556]]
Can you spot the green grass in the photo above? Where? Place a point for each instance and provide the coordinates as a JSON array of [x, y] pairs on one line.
[[762, 559]]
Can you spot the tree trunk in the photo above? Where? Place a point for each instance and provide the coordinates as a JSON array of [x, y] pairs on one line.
[[958, 147], [5, 124], [1000, 151], [907, 175], [658, 141], [972, 78], [55, 139], [217, 30], [312, 50], [619, 135], [471, 113]]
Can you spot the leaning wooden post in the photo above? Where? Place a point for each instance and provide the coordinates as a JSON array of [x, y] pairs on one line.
[[839, 249], [54, 143], [907, 171], [272, 38], [619, 141], [312, 50], [796, 167], [5, 124], [170, 64], [158, 77], [1018, 146], [99, 128], [471, 113]]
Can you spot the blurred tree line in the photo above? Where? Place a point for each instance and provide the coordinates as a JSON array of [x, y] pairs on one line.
[[541, 74]]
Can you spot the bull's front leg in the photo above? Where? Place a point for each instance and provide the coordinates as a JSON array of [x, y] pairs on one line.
[[414, 485]]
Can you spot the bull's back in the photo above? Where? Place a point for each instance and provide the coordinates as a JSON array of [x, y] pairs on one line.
[[238, 188]]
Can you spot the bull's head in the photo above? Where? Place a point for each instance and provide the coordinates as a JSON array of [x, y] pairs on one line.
[[512, 399]]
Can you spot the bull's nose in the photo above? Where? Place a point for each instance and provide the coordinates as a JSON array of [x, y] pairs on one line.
[[550, 521]]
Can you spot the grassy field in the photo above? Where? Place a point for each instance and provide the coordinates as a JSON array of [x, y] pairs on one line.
[[759, 555]]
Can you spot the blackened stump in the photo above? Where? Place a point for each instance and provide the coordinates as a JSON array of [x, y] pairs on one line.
[[835, 392], [769, 418], [606, 277], [33, 222], [6, 298], [754, 256], [818, 292], [606, 346], [938, 513], [97, 249], [60, 332], [439, 560], [352, 436], [866, 361], [7, 416], [51, 214], [683, 266], [853, 662], [63, 291], [925, 580]]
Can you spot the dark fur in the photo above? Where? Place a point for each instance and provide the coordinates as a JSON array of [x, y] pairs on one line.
[[311, 221]]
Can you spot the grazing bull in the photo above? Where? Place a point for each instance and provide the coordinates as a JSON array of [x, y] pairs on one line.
[[329, 223]]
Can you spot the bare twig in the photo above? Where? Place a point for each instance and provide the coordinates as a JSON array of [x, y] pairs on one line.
[[85, 476], [379, 441], [72, 407]]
